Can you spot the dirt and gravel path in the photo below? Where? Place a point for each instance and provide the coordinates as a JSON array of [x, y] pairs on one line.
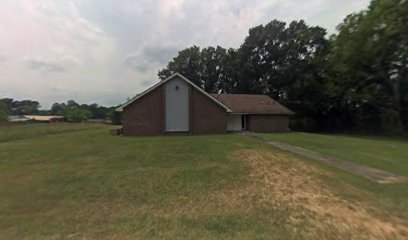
[[373, 174]]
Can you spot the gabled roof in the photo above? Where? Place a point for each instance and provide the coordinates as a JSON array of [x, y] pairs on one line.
[[252, 104], [166, 80]]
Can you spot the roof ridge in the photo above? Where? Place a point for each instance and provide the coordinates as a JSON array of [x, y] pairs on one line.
[[121, 107]]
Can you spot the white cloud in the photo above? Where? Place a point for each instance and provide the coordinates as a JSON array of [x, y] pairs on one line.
[[150, 56], [106, 51], [41, 64], [3, 58], [55, 39]]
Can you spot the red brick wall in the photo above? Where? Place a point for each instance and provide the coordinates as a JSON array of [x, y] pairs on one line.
[[268, 123], [206, 116], [145, 116]]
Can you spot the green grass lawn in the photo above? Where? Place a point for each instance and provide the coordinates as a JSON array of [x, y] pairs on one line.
[[378, 152], [25, 131], [75, 181]]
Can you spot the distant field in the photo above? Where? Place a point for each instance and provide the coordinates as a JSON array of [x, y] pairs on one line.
[[378, 152], [75, 181], [24, 131]]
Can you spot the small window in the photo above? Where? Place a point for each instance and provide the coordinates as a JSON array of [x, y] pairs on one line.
[[177, 88]]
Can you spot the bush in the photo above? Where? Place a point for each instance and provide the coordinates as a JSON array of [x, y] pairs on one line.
[[76, 114], [3, 113]]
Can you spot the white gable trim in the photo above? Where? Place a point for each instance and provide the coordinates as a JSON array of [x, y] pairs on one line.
[[166, 80]]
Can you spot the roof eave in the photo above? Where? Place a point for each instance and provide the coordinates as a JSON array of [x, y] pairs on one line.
[[122, 107]]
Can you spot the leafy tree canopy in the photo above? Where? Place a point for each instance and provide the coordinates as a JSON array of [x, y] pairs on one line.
[[280, 60], [356, 79], [369, 65]]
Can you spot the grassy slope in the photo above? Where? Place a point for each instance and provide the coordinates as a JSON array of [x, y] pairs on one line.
[[382, 153], [87, 184], [52, 183]]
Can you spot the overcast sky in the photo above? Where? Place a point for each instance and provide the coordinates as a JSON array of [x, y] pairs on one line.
[[105, 51]]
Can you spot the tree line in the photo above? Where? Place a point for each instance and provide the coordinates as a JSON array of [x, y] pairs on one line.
[[355, 80], [71, 110]]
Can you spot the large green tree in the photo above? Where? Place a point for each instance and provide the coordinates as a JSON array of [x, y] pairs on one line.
[[187, 62], [76, 114], [280, 60], [206, 68], [24, 107], [286, 62], [81, 112], [369, 61], [357, 79]]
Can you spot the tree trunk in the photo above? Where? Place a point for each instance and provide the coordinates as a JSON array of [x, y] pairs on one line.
[[397, 101]]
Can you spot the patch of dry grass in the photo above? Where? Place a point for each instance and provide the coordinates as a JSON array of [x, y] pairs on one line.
[[90, 185], [284, 183]]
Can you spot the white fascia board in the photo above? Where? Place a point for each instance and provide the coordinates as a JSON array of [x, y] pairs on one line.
[[119, 109]]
